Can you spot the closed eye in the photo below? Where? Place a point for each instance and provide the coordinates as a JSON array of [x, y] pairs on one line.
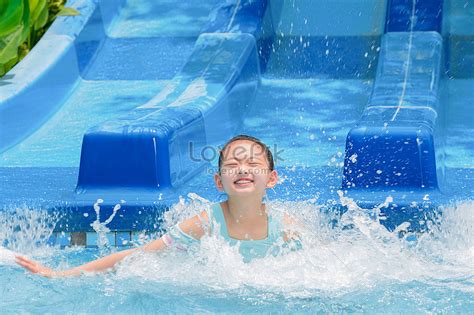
[[231, 165]]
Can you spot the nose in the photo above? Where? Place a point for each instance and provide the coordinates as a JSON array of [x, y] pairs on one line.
[[243, 170]]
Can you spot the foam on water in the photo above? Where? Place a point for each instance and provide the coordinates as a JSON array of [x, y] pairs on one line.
[[349, 254], [26, 230], [340, 254]]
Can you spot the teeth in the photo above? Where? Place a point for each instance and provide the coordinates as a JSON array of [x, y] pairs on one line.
[[243, 181]]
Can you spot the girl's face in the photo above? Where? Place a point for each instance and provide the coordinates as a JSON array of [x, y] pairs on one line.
[[245, 170]]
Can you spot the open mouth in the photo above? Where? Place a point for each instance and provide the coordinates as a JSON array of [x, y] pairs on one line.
[[243, 181]]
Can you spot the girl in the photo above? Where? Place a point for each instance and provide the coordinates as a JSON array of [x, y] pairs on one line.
[[246, 170]]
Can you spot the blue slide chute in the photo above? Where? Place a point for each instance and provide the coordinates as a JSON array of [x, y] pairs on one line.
[[154, 145]]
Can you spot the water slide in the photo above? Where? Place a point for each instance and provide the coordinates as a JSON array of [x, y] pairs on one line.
[[368, 98]]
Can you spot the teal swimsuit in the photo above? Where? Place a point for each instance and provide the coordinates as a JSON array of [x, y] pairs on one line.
[[249, 249]]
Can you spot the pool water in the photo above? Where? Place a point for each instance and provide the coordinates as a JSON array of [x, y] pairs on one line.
[[347, 264]]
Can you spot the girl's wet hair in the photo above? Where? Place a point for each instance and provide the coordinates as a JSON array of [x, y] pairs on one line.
[[266, 150]]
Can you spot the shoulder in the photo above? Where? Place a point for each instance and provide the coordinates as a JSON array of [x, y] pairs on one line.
[[195, 226]]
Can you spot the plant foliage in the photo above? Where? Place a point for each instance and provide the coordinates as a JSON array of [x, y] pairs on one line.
[[22, 23]]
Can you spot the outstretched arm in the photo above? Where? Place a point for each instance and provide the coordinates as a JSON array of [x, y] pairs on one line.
[[100, 265], [192, 226]]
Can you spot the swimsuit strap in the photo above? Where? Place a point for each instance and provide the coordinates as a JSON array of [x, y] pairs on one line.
[[217, 221], [275, 225]]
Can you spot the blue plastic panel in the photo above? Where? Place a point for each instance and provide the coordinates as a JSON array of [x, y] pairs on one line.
[[236, 16], [393, 144], [408, 73], [334, 57], [414, 15], [458, 33], [390, 157], [314, 18], [160, 143], [24, 109], [38, 85], [156, 145]]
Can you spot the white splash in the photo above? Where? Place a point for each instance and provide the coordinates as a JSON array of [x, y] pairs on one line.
[[101, 227], [340, 254], [7, 257], [26, 230]]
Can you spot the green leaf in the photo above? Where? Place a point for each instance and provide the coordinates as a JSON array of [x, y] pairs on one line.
[[12, 62], [11, 13], [9, 46], [26, 21], [42, 18], [68, 12], [33, 4], [22, 23], [36, 9]]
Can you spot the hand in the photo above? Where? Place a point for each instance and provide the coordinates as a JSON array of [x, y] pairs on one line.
[[35, 267]]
